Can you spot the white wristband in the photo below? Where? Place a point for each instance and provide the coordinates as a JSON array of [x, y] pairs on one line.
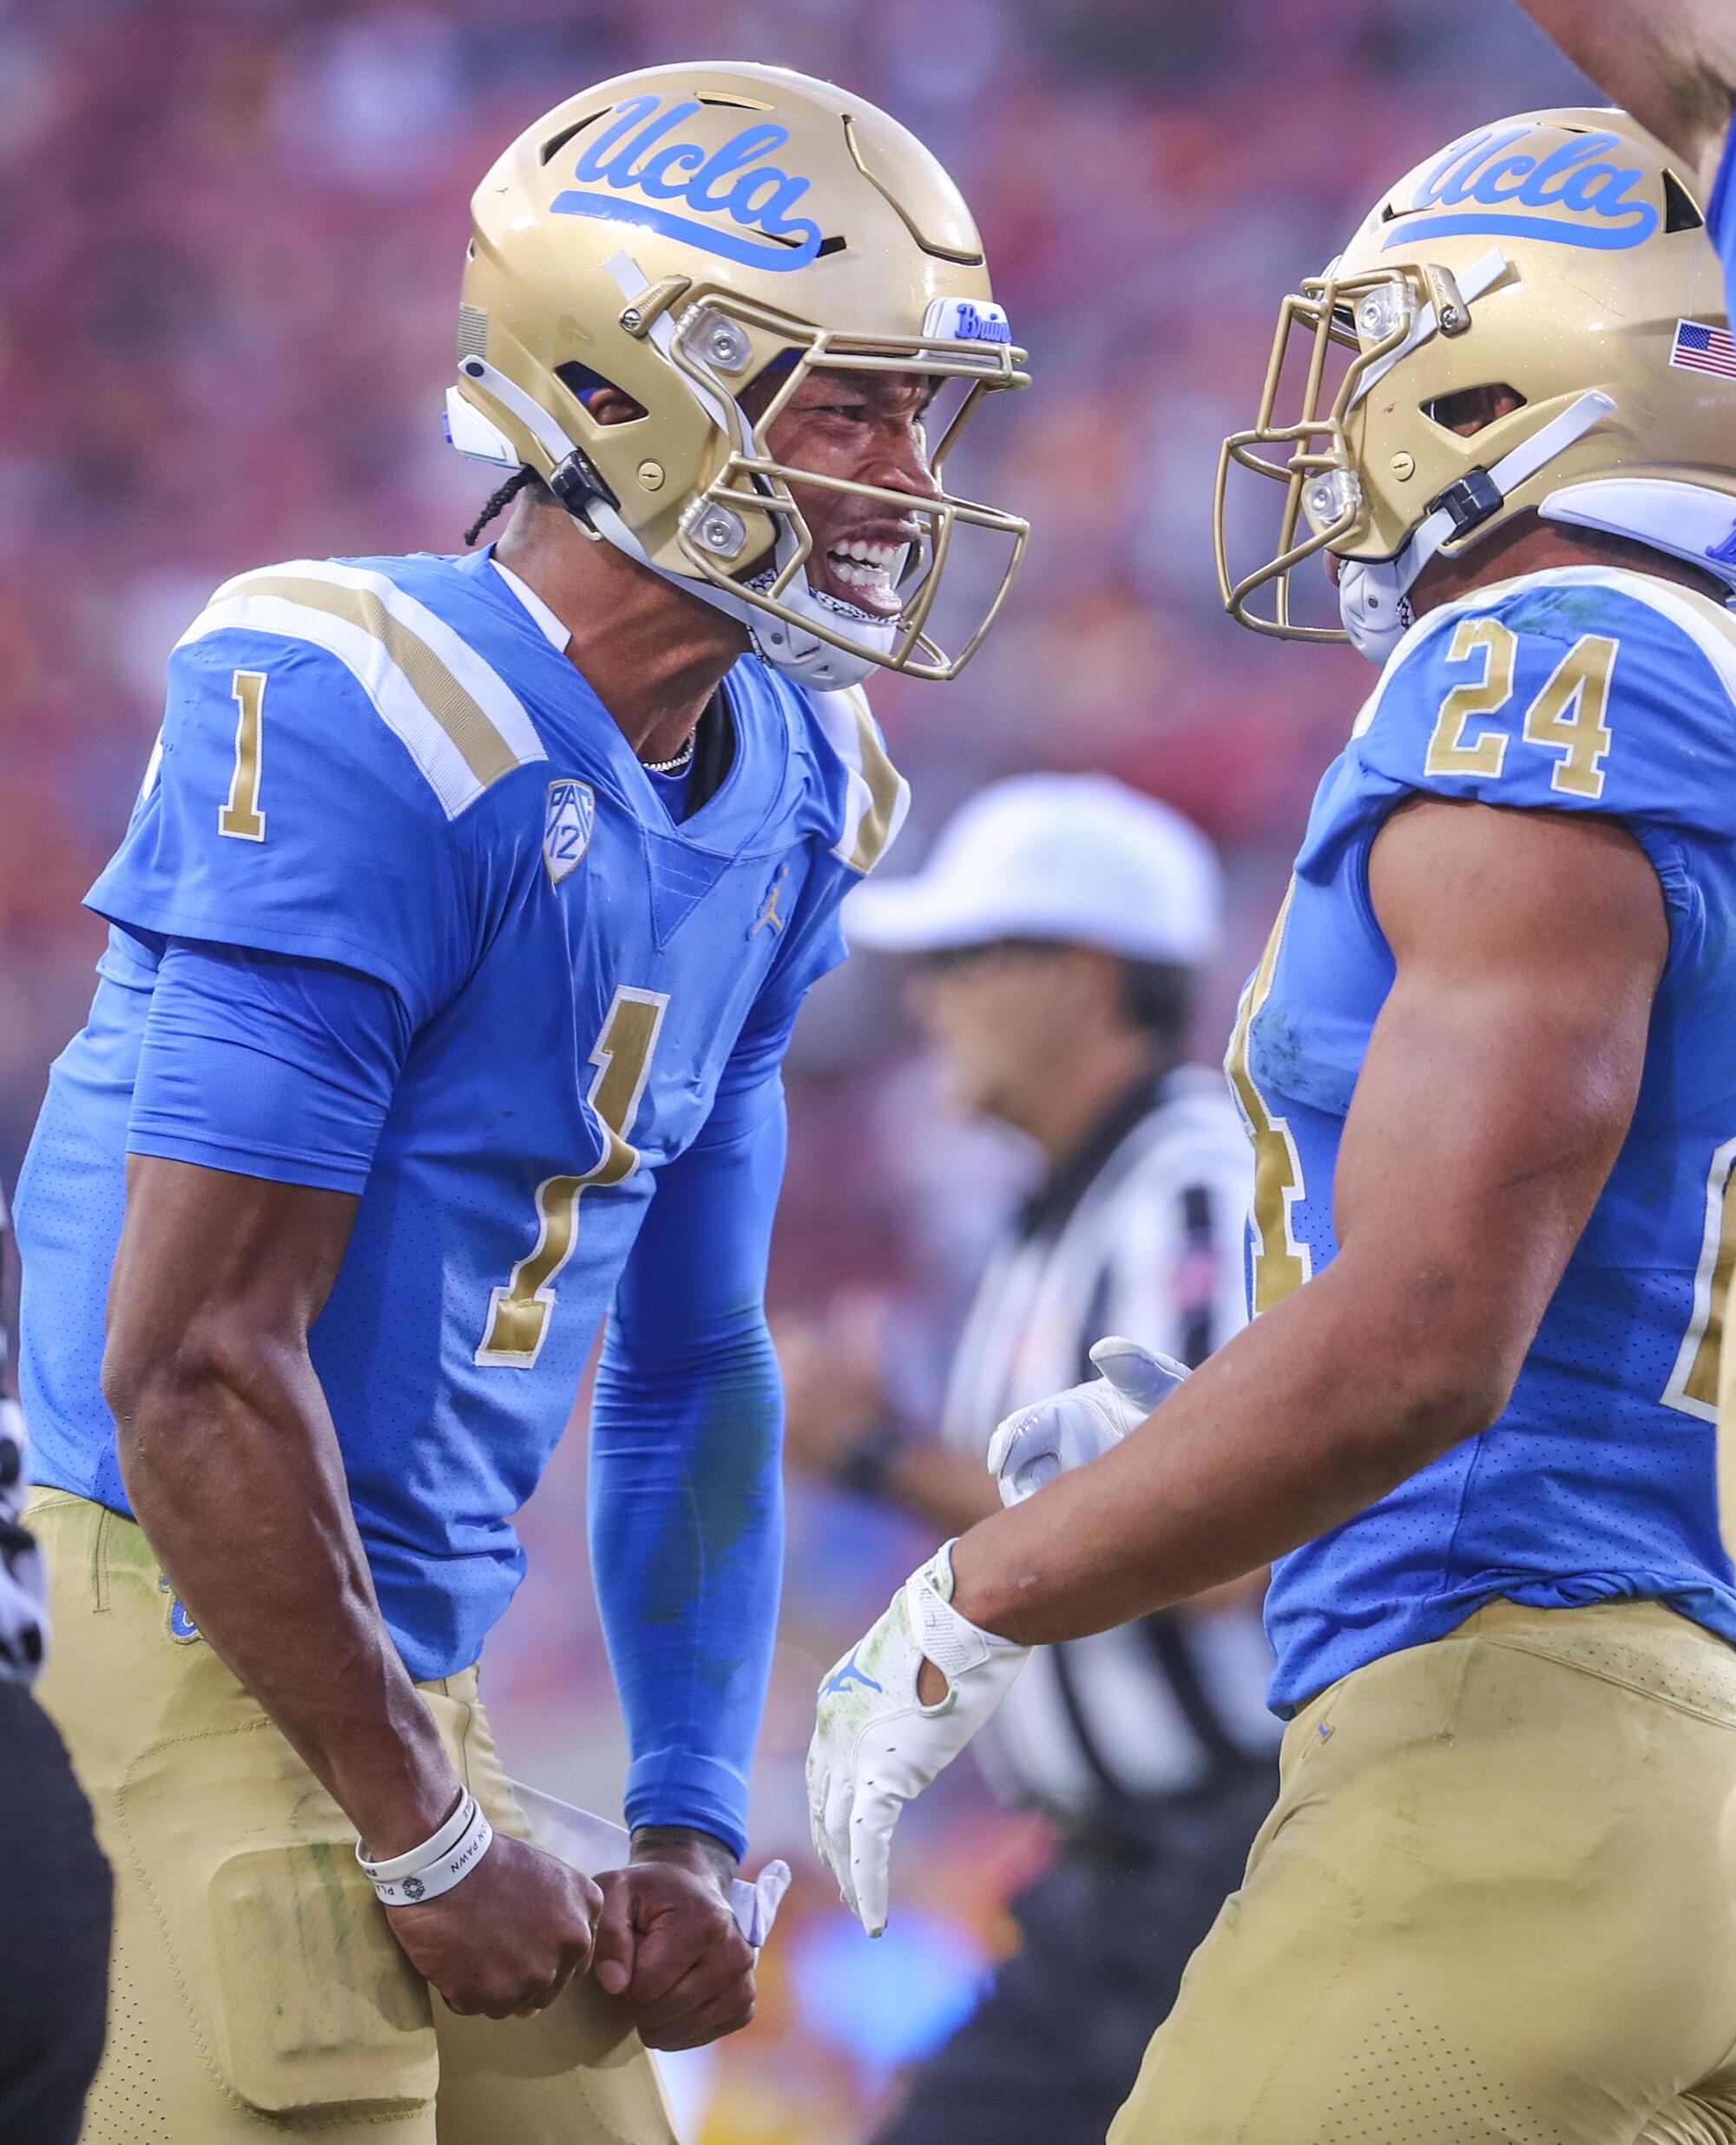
[[439, 1863]]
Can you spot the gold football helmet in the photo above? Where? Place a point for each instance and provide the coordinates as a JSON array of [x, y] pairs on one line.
[[1557, 267], [684, 232]]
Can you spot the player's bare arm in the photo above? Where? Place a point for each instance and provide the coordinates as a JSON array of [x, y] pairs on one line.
[[1527, 951], [228, 1452], [1672, 67]]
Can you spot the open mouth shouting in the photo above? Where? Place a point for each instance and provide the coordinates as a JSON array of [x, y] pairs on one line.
[[862, 570], [866, 574]]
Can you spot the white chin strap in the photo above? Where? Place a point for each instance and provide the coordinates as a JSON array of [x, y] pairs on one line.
[[1373, 593]]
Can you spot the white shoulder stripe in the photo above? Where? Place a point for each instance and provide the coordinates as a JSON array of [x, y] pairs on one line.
[[459, 721]]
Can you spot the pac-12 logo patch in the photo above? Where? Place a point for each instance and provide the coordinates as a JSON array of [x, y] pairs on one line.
[[567, 827]]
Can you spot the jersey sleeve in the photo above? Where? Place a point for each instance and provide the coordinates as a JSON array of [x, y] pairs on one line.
[[283, 814], [686, 1485], [1583, 690], [266, 1066]]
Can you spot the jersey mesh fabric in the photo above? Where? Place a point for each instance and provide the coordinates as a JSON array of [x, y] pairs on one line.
[[1597, 1480]]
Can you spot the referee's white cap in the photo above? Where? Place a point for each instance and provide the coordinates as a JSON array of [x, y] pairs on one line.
[[1075, 857]]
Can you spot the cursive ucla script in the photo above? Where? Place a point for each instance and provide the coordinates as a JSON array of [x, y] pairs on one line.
[[634, 155], [1484, 181]]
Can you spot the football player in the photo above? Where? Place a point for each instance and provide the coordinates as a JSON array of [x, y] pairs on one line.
[[455, 946], [1674, 69], [1487, 1065]]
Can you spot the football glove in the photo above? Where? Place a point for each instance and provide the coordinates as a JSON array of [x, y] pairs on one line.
[[876, 1746], [1032, 1446]]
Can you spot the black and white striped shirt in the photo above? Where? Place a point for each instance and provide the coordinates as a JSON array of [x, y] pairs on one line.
[[1141, 1234]]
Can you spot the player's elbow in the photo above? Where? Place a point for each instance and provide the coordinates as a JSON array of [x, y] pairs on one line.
[[1440, 1403], [1440, 1367]]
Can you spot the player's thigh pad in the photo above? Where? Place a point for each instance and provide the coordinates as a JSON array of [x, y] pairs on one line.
[[256, 1986], [1487, 1908]]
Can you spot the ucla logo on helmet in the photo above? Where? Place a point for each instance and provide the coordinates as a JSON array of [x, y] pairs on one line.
[[1573, 194], [639, 161], [567, 826]]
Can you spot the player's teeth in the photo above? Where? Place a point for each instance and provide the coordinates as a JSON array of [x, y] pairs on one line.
[[857, 574]]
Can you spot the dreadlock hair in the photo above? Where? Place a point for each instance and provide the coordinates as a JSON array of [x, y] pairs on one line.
[[520, 480]]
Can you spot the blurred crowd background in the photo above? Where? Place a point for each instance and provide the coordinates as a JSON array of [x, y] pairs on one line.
[[230, 235]]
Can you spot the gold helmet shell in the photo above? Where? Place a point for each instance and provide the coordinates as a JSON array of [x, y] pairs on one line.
[[682, 232], [1558, 256]]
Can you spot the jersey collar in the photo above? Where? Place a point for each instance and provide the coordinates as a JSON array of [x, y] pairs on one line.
[[550, 626]]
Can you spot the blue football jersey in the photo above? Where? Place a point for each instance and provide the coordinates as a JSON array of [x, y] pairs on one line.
[[1579, 690], [392, 765]]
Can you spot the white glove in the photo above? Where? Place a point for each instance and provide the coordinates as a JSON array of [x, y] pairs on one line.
[[876, 1746], [1034, 1445]]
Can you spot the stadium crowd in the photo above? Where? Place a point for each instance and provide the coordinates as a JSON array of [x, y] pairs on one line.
[[229, 240]]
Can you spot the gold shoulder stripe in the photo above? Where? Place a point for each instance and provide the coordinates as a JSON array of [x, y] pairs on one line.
[[484, 751], [886, 788]]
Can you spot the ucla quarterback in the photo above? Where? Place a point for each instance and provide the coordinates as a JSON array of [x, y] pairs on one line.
[[1486, 1062], [455, 945]]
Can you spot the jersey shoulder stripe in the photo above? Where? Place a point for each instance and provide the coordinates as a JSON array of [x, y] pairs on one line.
[[876, 797], [460, 723]]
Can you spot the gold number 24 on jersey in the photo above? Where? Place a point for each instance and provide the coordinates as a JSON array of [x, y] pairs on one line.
[[1567, 717]]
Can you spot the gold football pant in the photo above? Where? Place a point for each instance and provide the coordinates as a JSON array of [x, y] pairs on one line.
[[257, 1990], [1488, 1908]]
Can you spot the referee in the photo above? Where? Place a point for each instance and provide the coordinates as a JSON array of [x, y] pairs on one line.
[[1057, 931], [55, 1893]]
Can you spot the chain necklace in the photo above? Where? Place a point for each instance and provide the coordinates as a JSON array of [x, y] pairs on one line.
[[678, 763]]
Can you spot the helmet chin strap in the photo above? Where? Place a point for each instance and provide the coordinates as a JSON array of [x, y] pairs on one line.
[[1373, 592]]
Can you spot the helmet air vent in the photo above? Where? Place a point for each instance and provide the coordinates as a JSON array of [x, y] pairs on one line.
[[968, 256], [552, 148], [1469, 408], [1679, 212], [472, 332], [581, 383]]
